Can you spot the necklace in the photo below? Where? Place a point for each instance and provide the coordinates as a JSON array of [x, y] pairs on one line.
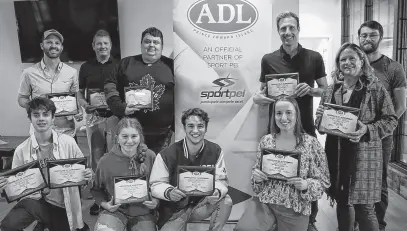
[[348, 88]]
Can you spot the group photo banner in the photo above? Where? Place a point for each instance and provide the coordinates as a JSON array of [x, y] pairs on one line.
[[218, 46]]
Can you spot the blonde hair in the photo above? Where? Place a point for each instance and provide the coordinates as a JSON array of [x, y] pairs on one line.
[[367, 70], [127, 122]]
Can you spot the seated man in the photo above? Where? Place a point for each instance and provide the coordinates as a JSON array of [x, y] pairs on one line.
[[58, 209], [176, 209]]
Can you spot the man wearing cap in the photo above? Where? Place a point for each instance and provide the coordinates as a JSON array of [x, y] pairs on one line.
[[50, 75]]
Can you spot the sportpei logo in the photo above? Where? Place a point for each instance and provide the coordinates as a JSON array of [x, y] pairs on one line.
[[222, 16], [223, 82]]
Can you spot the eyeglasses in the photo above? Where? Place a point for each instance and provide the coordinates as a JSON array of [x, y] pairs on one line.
[[364, 36]]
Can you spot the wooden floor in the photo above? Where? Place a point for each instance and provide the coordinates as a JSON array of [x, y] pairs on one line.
[[326, 221]]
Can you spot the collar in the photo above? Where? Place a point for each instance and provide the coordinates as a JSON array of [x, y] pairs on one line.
[[110, 60], [34, 143], [186, 153], [43, 66], [284, 53]]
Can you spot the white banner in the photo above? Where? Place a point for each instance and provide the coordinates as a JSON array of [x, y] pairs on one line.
[[218, 46]]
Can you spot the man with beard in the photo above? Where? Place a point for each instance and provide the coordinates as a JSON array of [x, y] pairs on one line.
[[292, 57], [153, 72], [176, 209], [99, 121], [50, 75], [393, 78]]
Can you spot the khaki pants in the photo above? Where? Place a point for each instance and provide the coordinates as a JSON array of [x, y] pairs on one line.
[[261, 217], [218, 212]]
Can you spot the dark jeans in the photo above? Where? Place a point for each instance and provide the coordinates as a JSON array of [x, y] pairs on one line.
[[314, 212], [381, 207], [364, 214], [29, 210]]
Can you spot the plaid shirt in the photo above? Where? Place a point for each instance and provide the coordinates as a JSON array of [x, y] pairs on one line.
[[377, 112]]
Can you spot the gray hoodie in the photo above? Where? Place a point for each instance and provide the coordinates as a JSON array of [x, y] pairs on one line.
[[115, 163]]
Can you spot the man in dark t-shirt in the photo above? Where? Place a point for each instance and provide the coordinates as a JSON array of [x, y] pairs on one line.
[[99, 121], [151, 71], [290, 58], [391, 74]]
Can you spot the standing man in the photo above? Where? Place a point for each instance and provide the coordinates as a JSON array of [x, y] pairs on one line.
[[150, 70], [292, 57], [393, 78], [176, 209], [99, 122], [50, 75], [57, 209]]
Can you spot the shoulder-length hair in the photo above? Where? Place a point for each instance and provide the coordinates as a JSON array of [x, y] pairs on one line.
[[367, 75], [132, 123], [298, 130]]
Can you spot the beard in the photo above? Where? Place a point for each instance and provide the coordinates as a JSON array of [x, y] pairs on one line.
[[373, 48], [52, 55]]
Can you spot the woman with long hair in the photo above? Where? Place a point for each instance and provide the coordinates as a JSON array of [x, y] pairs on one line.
[[129, 157], [355, 163], [286, 204]]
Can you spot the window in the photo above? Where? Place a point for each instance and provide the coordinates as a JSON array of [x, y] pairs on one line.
[[384, 12]]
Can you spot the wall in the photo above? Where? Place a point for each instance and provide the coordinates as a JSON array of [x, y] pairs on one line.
[[317, 23], [13, 120]]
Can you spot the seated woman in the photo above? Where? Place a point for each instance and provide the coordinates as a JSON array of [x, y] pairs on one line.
[[129, 157], [286, 204], [355, 164]]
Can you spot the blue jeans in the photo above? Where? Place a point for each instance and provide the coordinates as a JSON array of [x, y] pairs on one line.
[[261, 217], [120, 222], [364, 214], [381, 206], [218, 212], [101, 137]]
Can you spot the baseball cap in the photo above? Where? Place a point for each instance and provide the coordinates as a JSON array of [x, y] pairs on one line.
[[53, 32]]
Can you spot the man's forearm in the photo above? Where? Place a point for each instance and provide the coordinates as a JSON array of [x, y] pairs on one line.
[[316, 92], [23, 102]]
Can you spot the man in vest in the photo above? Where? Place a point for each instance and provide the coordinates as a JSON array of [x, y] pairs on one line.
[[176, 209]]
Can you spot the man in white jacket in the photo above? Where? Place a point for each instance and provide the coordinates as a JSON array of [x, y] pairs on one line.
[[176, 208], [58, 209]]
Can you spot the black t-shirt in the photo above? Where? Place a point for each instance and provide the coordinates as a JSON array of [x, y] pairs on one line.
[[92, 73], [159, 76], [310, 66]]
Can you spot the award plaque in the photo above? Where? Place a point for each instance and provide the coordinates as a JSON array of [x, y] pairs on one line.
[[65, 103], [138, 96], [339, 120], [280, 164], [196, 180], [130, 189], [23, 180], [281, 85], [96, 97], [66, 173]]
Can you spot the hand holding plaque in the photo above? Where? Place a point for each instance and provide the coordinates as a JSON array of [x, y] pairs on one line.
[[139, 97], [130, 189], [280, 164], [281, 85], [96, 98], [22, 181], [66, 103], [196, 180], [66, 173], [339, 120]]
